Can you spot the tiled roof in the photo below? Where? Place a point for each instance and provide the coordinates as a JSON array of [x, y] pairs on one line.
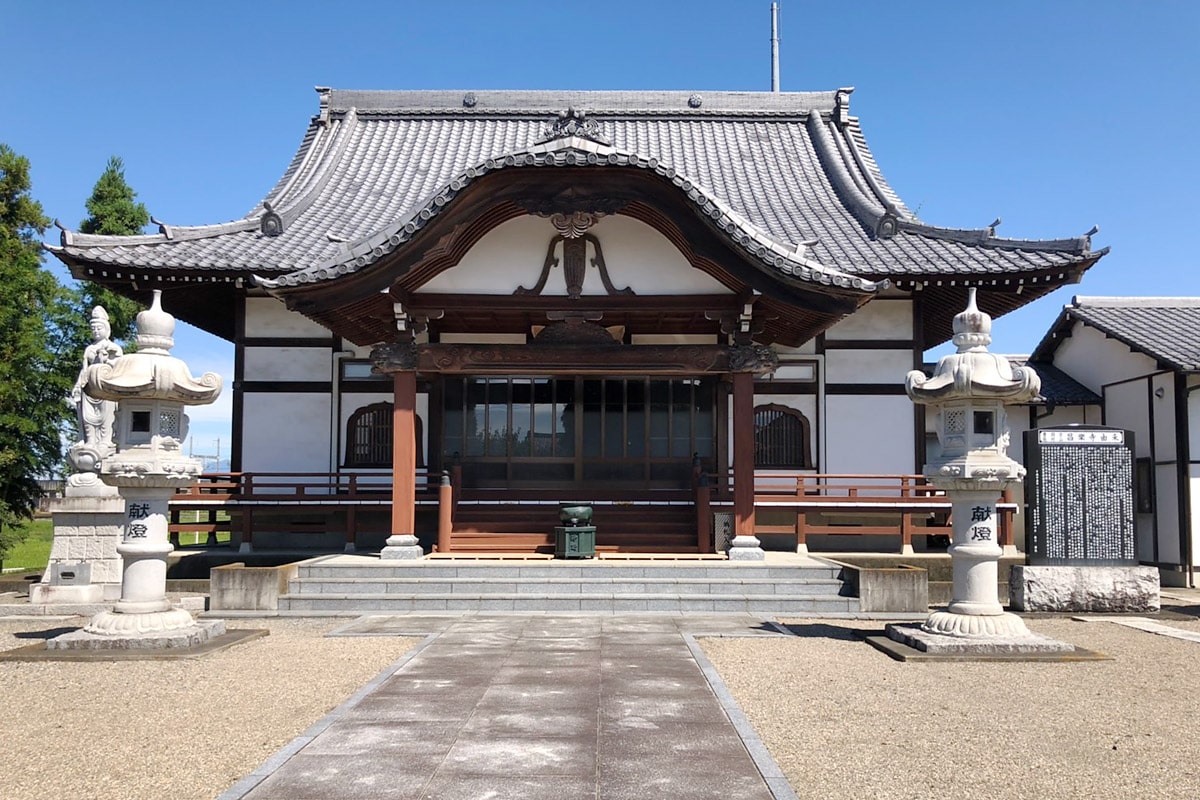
[[1164, 328], [788, 177], [1058, 388]]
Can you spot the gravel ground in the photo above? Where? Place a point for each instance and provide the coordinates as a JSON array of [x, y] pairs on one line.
[[844, 720], [178, 729]]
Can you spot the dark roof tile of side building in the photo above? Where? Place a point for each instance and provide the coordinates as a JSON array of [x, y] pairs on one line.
[[1058, 388], [787, 177], [1166, 329]]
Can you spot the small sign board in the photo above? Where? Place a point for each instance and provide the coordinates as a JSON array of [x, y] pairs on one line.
[[1079, 496]]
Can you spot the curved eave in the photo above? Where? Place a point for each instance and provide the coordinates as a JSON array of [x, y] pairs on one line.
[[859, 183], [787, 260]]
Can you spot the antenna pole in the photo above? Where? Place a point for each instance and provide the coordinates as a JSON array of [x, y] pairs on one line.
[[774, 47]]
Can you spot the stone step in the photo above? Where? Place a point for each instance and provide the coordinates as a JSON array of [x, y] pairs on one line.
[[476, 585], [699, 570], [353, 604]]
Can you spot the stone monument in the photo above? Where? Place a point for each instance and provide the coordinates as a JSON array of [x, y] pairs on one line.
[[1082, 553], [968, 392], [84, 567], [150, 387]]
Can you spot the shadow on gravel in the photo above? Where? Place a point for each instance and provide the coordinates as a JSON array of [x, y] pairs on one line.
[[47, 634], [822, 630], [1187, 611]]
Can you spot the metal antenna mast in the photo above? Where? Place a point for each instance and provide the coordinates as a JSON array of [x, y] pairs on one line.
[[774, 47]]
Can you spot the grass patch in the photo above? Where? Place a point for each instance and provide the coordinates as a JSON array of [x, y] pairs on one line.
[[192, 538], [33, 554]]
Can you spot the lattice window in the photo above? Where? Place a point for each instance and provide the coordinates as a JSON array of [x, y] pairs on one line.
[[781, 438], [369, 437]]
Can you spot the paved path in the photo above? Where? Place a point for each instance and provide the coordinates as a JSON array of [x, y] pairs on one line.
[[525, 708]]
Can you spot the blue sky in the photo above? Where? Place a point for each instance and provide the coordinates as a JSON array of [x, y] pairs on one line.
[[1052, 115]]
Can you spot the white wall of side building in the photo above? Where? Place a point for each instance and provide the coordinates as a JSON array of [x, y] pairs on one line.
[[1193, 443], [1095, 360]]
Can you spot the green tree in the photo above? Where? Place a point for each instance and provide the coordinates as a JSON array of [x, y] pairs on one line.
[[35, 375], [113, 210]]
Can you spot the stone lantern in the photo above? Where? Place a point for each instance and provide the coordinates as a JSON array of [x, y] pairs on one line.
[[151, 388], [969, 391]]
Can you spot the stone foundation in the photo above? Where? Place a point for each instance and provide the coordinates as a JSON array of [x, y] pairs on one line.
[[1083, 588], [86, 530]]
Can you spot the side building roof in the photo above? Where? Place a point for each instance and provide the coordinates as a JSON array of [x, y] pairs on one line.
[[787, 178], [1166, 329]]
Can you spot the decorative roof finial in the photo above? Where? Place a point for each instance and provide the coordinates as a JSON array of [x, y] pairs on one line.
[[972, 327]]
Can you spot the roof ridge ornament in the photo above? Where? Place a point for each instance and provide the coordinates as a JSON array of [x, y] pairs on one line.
[[573, 122], [270, 223]]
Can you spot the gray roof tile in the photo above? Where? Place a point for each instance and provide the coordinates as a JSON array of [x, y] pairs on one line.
[[773, 170], [1164, 328]]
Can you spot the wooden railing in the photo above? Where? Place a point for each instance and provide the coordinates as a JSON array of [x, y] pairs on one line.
[[885, 504], [205, 506], [849, 504]]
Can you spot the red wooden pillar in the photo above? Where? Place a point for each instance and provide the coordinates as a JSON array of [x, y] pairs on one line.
[[404, 454], [743, 454]]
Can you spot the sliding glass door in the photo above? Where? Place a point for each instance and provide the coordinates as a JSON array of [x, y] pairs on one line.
[[567, 431]]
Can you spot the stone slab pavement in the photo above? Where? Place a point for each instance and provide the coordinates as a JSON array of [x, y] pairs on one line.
[[531, 707]]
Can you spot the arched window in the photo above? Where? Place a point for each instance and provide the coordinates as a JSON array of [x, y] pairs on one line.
[[781, 438], [369, 437]]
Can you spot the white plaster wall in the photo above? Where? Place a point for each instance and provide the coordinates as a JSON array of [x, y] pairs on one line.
[[1193, 416], [1068, 415], [512, 254], [288, 364], [802, 371], [1125, 407], [867, 366], [878, 319], [1165, 444], [868, 434], [286, 432], [266, 316], [808, 348], [1095, 360], [1166, 511]]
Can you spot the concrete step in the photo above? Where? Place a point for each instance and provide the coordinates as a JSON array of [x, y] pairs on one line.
[[480, 585], [524, 571], [353, 604]]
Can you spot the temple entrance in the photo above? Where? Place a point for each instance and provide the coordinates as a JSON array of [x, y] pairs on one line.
[[550, 432]]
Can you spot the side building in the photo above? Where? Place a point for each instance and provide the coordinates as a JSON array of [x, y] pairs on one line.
[[1140, 356], [576, 296]]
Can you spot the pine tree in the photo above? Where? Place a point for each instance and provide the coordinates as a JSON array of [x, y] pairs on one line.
[[112, 211], [35, 377]]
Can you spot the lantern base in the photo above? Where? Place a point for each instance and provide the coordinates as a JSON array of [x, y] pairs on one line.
[[946, 633], [153, 631]]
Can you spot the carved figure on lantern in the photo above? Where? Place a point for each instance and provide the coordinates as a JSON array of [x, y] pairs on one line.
[[95, 417], [150, 388]]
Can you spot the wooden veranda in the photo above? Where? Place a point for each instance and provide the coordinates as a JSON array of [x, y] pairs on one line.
[[352, 511]]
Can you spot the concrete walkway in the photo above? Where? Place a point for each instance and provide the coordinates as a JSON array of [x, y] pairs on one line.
[[532, 707]]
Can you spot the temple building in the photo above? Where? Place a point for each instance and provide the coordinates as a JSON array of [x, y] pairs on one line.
[[639, 300]]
